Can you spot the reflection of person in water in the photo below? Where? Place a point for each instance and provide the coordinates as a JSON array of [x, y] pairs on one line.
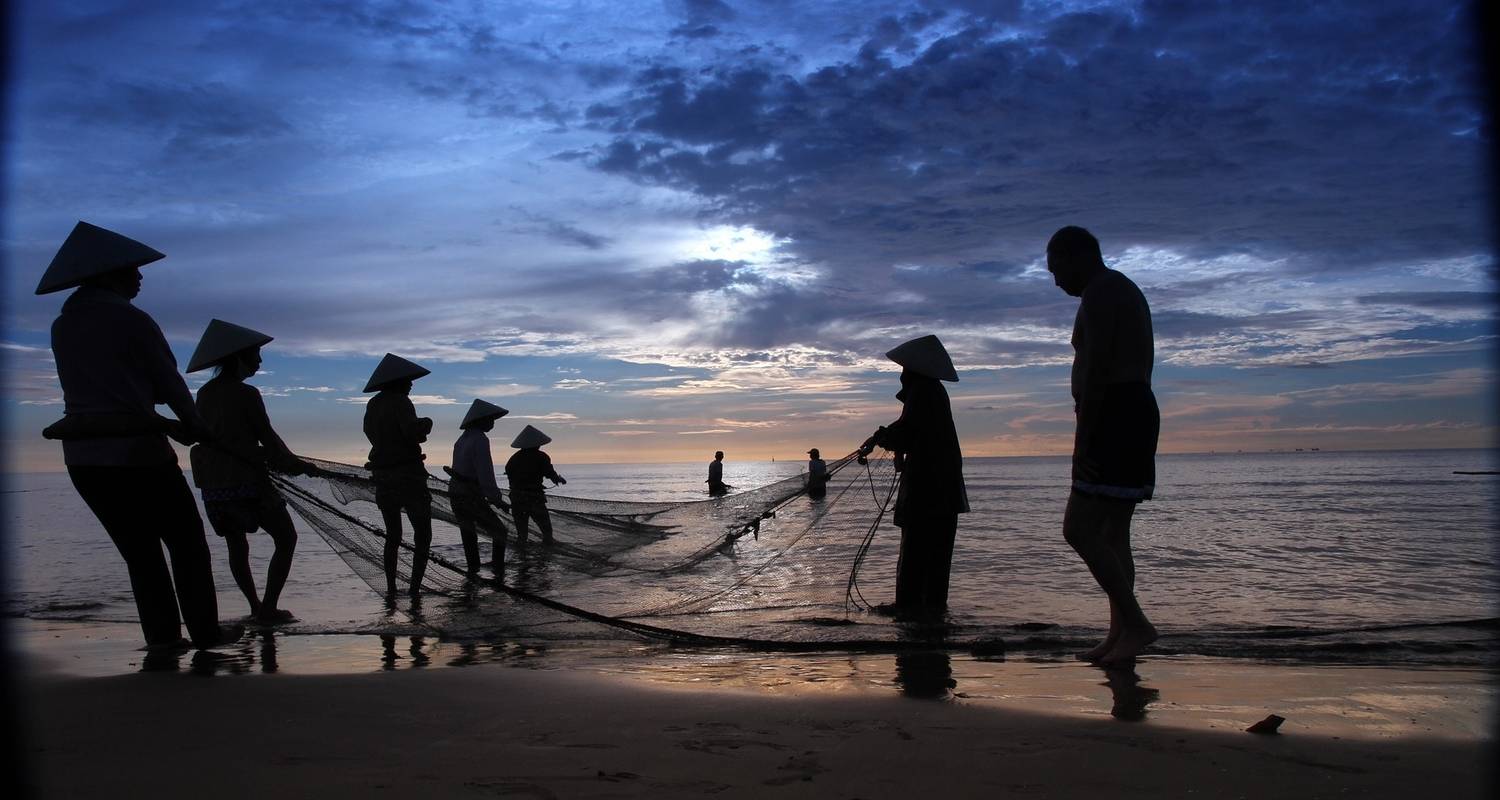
[[931, 495], [924, 673], [1114, 446], [526, 469], [1129, 698], [115, 367], [396, 434], [473, 490], [716, 485]]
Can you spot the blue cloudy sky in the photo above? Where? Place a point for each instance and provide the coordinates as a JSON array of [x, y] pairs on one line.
[[655, 229]]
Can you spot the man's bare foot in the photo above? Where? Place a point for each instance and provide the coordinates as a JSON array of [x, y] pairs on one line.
[[1103, 648], [1131, 643]]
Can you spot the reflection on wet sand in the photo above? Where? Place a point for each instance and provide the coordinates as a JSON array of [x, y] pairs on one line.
[[1130, 697], [925, 674]]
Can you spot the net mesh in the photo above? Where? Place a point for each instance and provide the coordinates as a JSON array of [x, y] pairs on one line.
[[767, 567]]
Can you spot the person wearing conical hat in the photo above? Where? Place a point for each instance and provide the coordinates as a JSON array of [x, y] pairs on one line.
[[231, 469], [525, 469], [1118, 422], [931, 495], [817, 475], [473, 490], [115, 367], [396, 435]]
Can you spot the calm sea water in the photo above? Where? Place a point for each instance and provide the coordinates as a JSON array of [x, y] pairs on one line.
[[1383, 556]]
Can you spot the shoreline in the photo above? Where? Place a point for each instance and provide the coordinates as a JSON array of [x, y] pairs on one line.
[[565, 725]]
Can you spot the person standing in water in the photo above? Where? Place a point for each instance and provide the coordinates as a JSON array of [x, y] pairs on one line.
[[817, 475], [231, 468], [932, 493], [526, 469], [716, 484], [1114, 444], [396, 435], [115, 367], [472, 487]]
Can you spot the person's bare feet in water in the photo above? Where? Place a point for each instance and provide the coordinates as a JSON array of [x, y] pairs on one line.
[[1131, 643], [1103, 648]]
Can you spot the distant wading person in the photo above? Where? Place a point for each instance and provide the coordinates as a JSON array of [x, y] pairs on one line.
[[115, 367], [716, 484], [472, 487], [817, 475], [932, 494], [396, 435], [231, 469], [525, 470], [1114, 446]]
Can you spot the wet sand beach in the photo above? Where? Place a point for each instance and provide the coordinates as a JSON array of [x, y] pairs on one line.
[[662, 722]]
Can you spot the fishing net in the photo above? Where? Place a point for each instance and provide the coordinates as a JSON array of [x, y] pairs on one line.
[[768, 567]]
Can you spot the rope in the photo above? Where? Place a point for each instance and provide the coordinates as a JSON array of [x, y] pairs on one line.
[[851, 589]]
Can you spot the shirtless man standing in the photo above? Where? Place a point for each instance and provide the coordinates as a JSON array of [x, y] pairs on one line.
[[1114, 445]]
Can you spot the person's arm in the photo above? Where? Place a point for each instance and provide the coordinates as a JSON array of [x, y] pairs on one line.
[[1098, 314], [483, 465], [549, 473], [412, 426], [277, 452], [166, 383]]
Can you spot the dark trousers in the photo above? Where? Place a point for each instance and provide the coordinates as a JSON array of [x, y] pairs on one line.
[[524, 513], [143, 508], [926, 557]]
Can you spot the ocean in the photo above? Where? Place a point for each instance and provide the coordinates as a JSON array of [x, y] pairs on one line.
[[1309, 557]]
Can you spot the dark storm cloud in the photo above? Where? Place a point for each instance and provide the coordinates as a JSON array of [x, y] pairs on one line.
[[1331, 135], [1430, 300], [190, 120]]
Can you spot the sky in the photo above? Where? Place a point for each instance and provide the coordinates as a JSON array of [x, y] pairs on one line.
[[659, 229]]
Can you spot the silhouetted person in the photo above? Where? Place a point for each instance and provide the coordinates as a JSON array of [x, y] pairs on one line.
[[932, 494], [525, 470], [396, 434], [230, 469], [1114, 446], [472, 487], [817, 475], [716, 484], [115, 367]]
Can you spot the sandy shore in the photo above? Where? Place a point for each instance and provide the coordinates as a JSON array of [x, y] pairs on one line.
[[605, 729]]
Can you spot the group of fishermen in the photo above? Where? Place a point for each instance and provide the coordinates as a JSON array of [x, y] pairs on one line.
[[115, 366]]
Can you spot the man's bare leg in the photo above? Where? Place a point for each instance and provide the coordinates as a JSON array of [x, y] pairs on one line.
[[1097, 529]]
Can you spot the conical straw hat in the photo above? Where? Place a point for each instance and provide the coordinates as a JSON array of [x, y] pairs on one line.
[[394, 368], [90, 251], [530, 437], [480, 411], [925, 356], [221, 340]]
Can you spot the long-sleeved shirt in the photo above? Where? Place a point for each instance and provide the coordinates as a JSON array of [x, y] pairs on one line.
[[395, 432], [932, 478], [112, 359], [526, 469], [715, 473], [472, 462], [235, 414]]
